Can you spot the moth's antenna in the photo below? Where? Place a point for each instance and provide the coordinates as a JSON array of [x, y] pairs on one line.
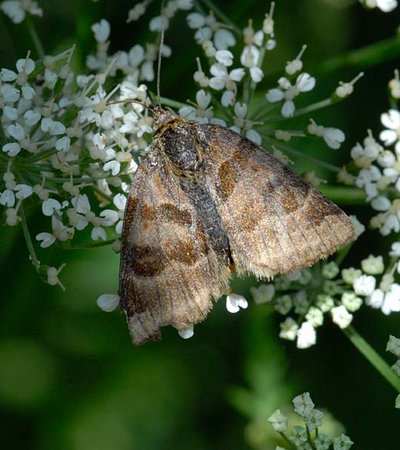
[[162, 33], [130, 100]]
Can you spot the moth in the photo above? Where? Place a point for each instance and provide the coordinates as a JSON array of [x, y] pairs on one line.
[[207, 202]]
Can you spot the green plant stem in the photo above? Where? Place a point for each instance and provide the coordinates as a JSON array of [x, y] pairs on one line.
[[292, 446], [35, 37], [364, 57], [221, 16], [172, 103], [29, 243], [373, 357], [289, 149], [345, 195]]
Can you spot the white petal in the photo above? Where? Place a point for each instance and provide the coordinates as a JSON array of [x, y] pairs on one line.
[[223, 39], [256, 74], [16, 131], [32, 117], [237, 74], [234, 302], [195, 20], [10, 113], [186, 334], [120, 201], [217, 83], [306, 335], [8, 75], [288, 109], [101, 30], [25, 65], [98, 233], [110, 217], [228, 98], [275, 95], [381, 203], [333, 137], [23, 191], [391, 119], [49, 206], [46, 238], [108, 302], [305, 82], [7, 198], [389, 137], [62, 145], [12, 148], [254, 136]]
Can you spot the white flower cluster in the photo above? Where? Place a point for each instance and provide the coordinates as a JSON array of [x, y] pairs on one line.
[[67, 149], [296, 294], [307, 436], [379, 173], [343, 293]]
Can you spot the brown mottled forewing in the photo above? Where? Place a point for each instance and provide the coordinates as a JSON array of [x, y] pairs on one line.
[[275, 221], [168, 274]]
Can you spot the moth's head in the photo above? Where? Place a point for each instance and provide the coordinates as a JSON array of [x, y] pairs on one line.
[[161, 117]]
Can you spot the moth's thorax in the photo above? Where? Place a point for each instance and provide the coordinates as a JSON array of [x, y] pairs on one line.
[[177, 139]]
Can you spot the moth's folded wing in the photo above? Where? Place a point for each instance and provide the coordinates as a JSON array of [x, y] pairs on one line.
[[275, 221], [168, 273]]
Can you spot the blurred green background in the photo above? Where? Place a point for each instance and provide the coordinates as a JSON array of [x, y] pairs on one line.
[[69, 377]]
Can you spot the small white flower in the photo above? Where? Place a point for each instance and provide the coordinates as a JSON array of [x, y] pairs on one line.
[[373, 265], [278, 421], [7, 198], [234, 302], [380, 203], [51, 126], [223, 39], [391, 120], [304, 83], [9, 93], [341, 316], [49, 206], [364, 285], [101, 31], [23, 191], [16, 131], [303, 404], [196, 20], [289, 329], [333, 137], [45, 239], [62, 144], [98, 233], [32, 117], [395, 250], [315, 317], [186, 334], [224, 57], [263, 293], [387, 302], [306, 335], [393, 346], [342, 442], [52, 276], [108, 302], [12, 149]]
